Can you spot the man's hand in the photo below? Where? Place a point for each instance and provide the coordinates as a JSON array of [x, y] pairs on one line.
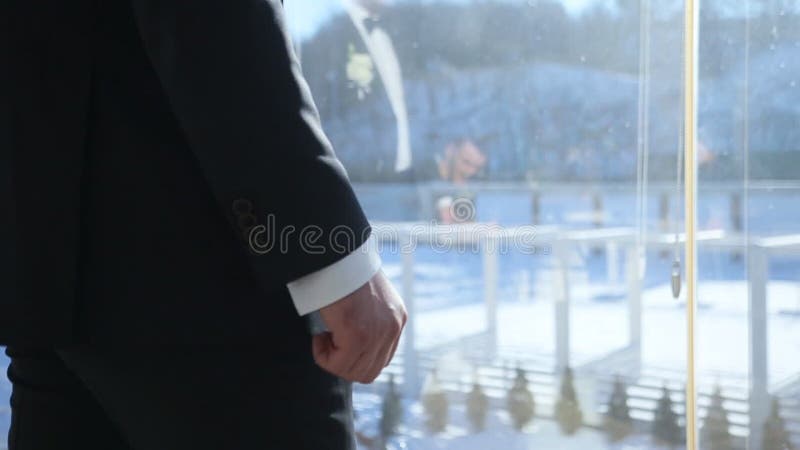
[[364, 329]]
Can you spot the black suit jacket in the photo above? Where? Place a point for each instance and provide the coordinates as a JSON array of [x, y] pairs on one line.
[[147, 138]]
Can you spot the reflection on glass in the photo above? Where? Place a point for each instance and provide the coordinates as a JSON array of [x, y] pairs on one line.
[[518, 160], [749, 323]]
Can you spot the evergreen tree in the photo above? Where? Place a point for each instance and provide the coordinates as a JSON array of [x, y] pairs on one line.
[[618, 421], [775, 435], [666, 430], [435, 404], [568, 411], [477, 407], [521, 405], [391, 410], [715, 434]]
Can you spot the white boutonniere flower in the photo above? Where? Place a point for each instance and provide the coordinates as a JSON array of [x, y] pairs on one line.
[[360, 71]]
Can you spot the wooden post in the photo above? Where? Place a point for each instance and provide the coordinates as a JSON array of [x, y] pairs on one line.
[[598, 213], [737, 219], [536, 208]]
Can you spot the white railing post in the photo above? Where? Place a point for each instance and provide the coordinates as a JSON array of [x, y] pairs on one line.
[[489, 248], [634, 280], [758, 274], [410, 358]]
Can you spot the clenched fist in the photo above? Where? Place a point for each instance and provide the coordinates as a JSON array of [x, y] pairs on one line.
[[364, 329]]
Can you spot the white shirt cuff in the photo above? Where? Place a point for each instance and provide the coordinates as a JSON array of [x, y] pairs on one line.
[[330, 284]]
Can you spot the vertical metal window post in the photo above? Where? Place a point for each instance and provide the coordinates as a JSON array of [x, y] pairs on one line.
[[690, 56]]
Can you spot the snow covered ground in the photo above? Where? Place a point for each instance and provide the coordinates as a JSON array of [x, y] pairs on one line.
[[600, 328]]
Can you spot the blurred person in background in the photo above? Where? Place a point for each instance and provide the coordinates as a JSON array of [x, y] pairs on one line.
[[156, 150], [461, 161]]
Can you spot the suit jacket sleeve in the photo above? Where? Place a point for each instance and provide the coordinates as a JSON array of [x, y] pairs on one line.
[[234, 83]]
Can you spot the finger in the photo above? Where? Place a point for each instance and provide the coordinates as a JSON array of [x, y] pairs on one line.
[[379, 362], [372, 354], [391, 353], [357, 369], [382, 354], [396, 341], [328, 356], [341, 363], [321, 346], [344, 360]]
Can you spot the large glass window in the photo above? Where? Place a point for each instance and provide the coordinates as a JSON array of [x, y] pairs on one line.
[[749, 297], [519, 162], [468, 124]]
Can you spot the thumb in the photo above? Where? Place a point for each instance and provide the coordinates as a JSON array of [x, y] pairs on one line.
[[321, 348]]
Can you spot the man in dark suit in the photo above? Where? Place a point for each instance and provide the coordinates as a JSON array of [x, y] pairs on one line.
[[172, 214]]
